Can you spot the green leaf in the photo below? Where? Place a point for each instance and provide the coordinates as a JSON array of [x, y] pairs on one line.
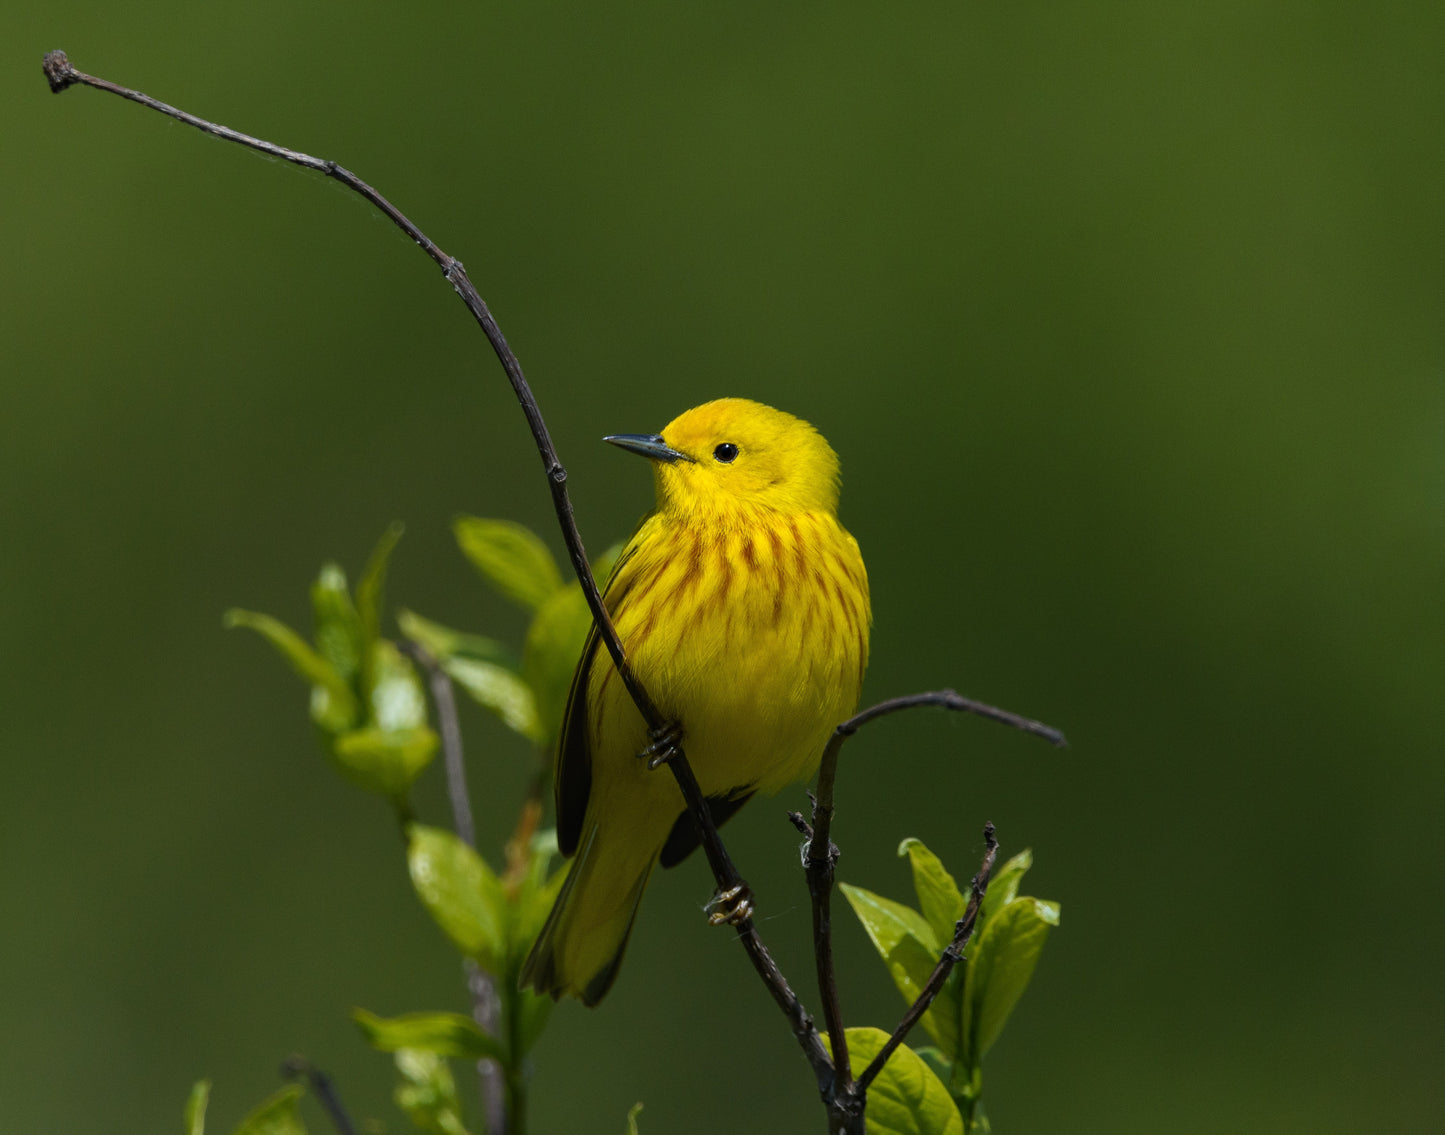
[[461, 892], [999, 970], [443, 642], [384, 762], [397, 700], [428, 1093], [511, 557], [1003, 887], [906, 1098], [500, 690], [333, 706], [481, 666], [372, 584], [532, 1013], [937, 1061], [338, 626], [910, 950], [445, 1034], [549, 657], [536, 894], [938, 895], [278, 1115], [196, 1108], [632, 1113]]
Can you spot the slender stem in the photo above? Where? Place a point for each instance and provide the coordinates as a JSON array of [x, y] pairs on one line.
[[821, 860], [486, 1004], [943, 699], [299, 1068], [952, 955], [61, 74]]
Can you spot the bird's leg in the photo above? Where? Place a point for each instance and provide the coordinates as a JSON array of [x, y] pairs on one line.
[[664, 741], [731, 906]]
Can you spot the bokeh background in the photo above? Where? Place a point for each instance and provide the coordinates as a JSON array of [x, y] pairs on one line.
[[1127, 323]]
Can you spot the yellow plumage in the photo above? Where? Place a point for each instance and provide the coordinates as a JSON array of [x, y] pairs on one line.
[[742, 604]]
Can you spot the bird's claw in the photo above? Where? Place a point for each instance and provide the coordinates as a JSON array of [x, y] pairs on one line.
[[663, 744], [730, 907]]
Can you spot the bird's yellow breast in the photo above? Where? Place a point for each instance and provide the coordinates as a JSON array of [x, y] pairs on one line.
[[750, 628]]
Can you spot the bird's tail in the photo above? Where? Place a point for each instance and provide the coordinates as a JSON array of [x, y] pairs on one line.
[[581, 945]]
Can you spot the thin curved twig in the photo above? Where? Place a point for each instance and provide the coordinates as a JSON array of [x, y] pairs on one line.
[[61, 75]]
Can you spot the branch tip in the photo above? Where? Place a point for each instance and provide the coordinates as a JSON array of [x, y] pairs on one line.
[[58, 71]]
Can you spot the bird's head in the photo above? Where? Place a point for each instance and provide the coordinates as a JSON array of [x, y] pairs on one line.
[[732, 454]]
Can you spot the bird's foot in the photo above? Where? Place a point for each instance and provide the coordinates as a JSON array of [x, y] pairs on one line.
[[731, 906], [663, 746]]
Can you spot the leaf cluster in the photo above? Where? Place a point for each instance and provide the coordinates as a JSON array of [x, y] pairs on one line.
[[369, 707], [968, 1014]]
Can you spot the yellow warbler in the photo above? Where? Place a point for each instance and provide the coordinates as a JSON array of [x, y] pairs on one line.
[[742, 604]]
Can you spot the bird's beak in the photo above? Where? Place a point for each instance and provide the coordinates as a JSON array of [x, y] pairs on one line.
[[648, 445]]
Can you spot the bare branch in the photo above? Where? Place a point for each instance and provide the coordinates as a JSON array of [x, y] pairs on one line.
[[944, 699], [486, 1004]]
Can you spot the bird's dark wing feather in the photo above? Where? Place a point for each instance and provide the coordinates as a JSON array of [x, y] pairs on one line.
[[682, 841], [572, 778]]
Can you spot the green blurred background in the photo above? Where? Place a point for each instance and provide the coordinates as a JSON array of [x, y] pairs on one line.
[[1127, 323]]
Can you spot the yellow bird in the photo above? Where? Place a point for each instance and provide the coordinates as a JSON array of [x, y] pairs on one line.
[[743, 606]]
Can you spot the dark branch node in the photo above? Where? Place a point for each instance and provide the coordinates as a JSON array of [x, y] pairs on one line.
[[58, 71], [299, 1068]]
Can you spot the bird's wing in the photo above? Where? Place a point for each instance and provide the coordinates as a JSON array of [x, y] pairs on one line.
[[683, 840], [572, 778]]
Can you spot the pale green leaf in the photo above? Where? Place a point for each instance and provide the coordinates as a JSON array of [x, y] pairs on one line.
[[278, 1115], [500, 690], [372, 584], [428, 1093], [1003, 887], [443, 642], [938, 895], [532, 1013], [1000, 965], [338, 626], [483, 667], [383, 762], [632, 1113], [910, 950], [445, 1034], [536, 893], [462, 893], [398, 701], [906, 1098], [549, 657], [196, 1108], [335, 708], [511, 557]]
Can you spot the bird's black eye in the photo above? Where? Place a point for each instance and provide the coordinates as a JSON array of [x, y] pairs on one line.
[[727, 453]]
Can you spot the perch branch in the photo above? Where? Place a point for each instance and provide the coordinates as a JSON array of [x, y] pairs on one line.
[[61, 75]]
